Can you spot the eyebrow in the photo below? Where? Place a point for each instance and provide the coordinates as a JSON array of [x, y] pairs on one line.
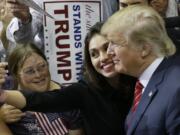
[[42, 62]]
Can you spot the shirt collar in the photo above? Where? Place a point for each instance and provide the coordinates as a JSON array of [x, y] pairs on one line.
[[147, 74]]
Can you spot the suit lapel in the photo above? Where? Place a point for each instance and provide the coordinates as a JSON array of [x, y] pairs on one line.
[[148, 95], [146, 99]]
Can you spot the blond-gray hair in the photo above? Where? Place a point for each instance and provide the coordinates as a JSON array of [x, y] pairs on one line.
[[140, 24]]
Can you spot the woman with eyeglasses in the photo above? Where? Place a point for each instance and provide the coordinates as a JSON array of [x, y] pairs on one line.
[[29, 68]]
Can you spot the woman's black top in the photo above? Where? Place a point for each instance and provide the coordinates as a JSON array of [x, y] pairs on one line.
[[103, 111]]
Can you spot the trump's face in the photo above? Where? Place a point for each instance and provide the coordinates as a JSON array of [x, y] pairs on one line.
[[127, 59]]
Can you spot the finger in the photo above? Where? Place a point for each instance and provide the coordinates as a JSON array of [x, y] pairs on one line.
[[8, 107], [13, 112], [2, 81], [12, 2], [16, 111], [20, 12], [13, 120], [20, 7], [15, 115], [3, 72], [11, 116], [3, 64], [16, 5]]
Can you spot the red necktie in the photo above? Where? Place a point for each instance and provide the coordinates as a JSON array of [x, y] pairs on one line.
[[137, 95]]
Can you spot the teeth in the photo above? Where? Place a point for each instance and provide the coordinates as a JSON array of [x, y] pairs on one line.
[[115, 61], [107, 66]]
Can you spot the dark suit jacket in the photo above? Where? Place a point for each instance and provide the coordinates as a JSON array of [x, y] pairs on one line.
[[172, 22], [158, 112], [173, 30]]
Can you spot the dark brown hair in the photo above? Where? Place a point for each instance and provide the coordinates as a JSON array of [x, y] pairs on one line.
[[90, 74]]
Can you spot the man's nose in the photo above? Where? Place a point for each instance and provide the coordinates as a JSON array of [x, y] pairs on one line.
[[110, 49]]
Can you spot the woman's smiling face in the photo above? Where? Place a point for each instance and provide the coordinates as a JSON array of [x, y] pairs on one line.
[[101, 61], [34, 74]]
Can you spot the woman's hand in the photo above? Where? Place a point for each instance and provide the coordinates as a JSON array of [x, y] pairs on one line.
[[19, 10], [10, 114]]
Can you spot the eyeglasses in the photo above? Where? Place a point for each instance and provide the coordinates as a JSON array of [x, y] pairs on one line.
[[31, 71]]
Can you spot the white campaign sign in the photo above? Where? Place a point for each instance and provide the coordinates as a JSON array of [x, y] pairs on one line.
[[64, 35]]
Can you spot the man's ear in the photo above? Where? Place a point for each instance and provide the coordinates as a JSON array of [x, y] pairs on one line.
[[146, 50]]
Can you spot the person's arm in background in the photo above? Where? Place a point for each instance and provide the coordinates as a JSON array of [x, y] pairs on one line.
[[14, 95], [8, 113], [26, 24], [4, 130]]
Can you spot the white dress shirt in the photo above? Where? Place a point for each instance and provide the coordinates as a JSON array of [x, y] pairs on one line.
[[147, 74]]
